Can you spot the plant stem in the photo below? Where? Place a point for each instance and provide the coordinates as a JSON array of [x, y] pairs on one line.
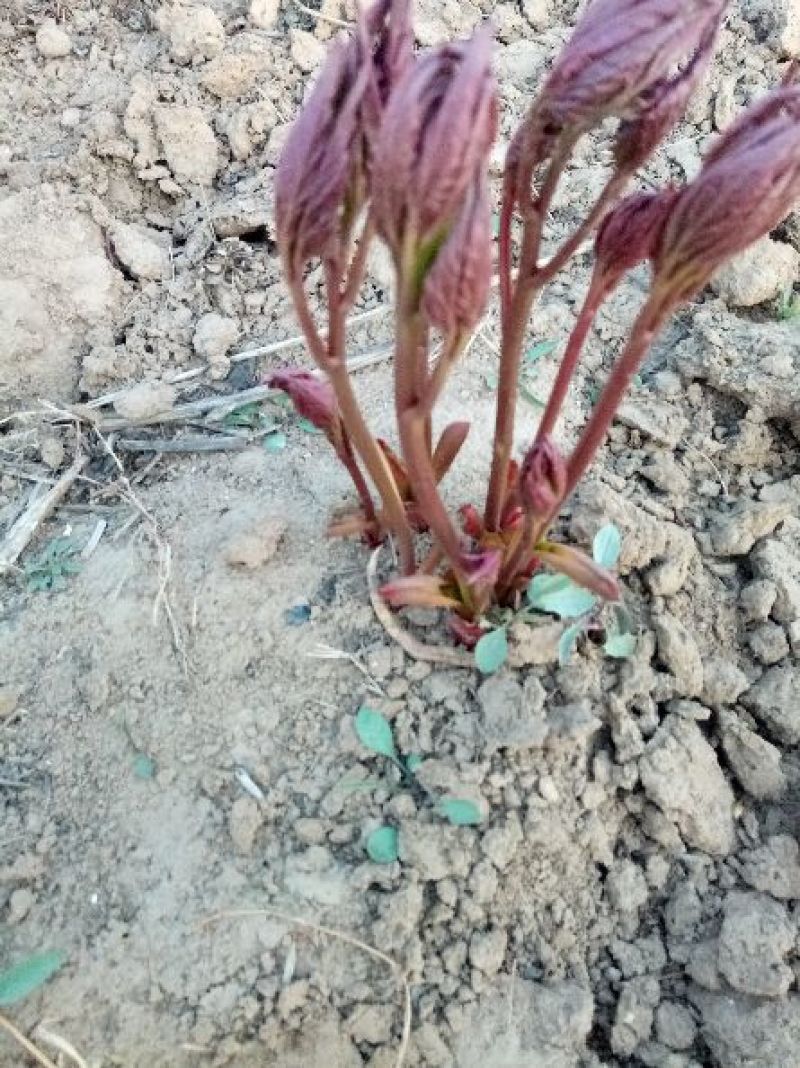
[[358, 265], [647, 325], [514, 329], [515, 321], [611, 191], [332, 361], [569, 362]]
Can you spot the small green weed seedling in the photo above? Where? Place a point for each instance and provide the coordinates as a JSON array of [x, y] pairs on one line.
[[49, 570], [22, 979], [788, 307], [561, 596], [375, 733]]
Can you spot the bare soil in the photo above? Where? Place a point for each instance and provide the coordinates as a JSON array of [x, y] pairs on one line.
[[174, 748]]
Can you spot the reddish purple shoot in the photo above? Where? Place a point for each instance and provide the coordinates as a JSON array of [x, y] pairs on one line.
[[394, 146]]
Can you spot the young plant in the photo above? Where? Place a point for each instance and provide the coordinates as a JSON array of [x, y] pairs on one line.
[[375, 733], [395, 146]]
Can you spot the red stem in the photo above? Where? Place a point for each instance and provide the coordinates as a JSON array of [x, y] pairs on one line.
[[332, 361], [569, 362], [647, 325]]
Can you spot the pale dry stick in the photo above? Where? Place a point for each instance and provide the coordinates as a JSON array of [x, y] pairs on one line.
[[432, 654], [328, 652], [341, 936], [320, 16], [50, 1038], [40, 507], [193, 443], [217, 407], [27, 1045], [163, 549], [299, 340]]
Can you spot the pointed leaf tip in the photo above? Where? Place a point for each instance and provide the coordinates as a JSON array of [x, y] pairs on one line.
[[374, 732]]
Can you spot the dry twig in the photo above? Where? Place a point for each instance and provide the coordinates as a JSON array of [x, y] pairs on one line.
[[41, 505], [27, 1045], [417, 650], [61, 1044]]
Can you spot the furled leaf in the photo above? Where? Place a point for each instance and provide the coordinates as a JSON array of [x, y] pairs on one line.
[[461, 813], [23, 978], [374, 732], [620, 646], [491, 652], [607, 546], [560, 596], [382, 845], [567, 643]]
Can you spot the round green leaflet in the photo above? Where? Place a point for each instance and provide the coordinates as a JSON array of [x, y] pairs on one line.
[[491, 652], [382, 845]]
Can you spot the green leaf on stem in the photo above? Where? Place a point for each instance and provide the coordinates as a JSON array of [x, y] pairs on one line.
[[560, 596], [375, 733], [491, 652], [568, 643], [461, 813], [607, 546], [382, 845], [23, 978]]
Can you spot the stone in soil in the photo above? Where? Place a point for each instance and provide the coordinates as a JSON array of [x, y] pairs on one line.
[[194, 33], [778, 561], [747, 1033], [736, 533], [761, 273], [773, 700], [434, 850], [678, 652], [51, 41], [680, 773], [755, 937], [633, 1021], [189, 145], [756, 763], [675, 1026], [548, 1026], [140, 251], [773, 868], [213, 339], [145, 400], [512, 716], [263, 13]]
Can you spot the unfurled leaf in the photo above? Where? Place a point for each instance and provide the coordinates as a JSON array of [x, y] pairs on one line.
[[308, 426], [461, 813], [538, 352], [491, 652], [298, 614], [375, 733], [620, 646], [144, 767], [23, 978], [580, 568], [382, 845], [412, 762], [275, 441], [607, 546], [560, 596], [568, 642]]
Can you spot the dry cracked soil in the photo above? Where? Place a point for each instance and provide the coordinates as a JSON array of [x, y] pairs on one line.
[[184, 803]]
